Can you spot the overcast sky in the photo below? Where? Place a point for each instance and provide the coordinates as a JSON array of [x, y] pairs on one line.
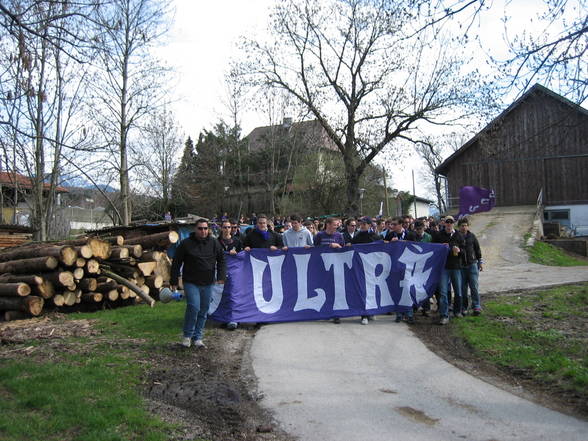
[[203, 39]]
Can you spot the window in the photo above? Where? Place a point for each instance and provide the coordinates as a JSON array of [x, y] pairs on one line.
[[561, 216]]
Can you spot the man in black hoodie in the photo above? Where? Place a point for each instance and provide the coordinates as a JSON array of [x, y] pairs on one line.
[[201, 258]]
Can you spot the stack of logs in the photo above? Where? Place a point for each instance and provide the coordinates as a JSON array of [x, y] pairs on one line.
[[88, 270]]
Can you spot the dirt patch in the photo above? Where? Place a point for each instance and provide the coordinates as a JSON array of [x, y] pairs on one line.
[[43, 328], [211, 393], [444, 342]]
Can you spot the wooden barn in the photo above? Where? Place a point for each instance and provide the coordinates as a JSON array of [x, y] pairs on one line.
[[538, 144]]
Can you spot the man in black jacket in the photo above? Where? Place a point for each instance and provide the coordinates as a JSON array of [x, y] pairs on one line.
[[365, 235], [473, 264], [261, 237], [201, 258], [350, 230], [452, 271]]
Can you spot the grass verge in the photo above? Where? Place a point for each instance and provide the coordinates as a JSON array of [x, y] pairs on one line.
[[547, 254], [543, 333], [90, 392]]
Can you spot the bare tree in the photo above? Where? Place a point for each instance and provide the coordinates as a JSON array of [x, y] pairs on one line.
[[39, 102], [362, 72], [129, 83], [557, 54], [158, 161]]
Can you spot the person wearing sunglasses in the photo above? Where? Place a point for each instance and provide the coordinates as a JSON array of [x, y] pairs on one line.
[[200, 258], [350, 230]]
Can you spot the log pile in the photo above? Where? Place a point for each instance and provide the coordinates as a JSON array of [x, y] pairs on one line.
[[88, 271]]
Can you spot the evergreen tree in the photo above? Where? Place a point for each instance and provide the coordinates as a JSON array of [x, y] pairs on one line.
[[183, 186]]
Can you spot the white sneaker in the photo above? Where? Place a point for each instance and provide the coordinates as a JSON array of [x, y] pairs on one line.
[[186, 342], [364, 321], [199, 344]]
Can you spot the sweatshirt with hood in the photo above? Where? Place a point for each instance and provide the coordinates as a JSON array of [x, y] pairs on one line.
[[300, 238]]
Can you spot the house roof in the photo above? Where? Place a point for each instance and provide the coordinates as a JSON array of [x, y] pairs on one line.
[[537, 88], [309, 132], [423, 200], [14, 179]]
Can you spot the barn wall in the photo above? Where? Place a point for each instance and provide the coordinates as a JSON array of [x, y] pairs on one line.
[[542, 143]]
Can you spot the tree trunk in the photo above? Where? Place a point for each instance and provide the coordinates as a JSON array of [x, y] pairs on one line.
[[119, 253], [85, 251], [78, 273], [30, 304], [135, 250], [14, 289], [66, 254], [69, 298], [88, 284], [29, 280], [29, 266], [131, 286], [60, 278], [158, 240], [92, 266], [92, 297], [154, 282], [352, 189], [147, 268], [114, 240], [105, 287]]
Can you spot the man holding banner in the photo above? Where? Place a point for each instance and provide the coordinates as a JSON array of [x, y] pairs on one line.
[[322, 282]]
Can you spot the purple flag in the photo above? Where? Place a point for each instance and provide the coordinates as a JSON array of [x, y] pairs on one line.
[[321, 283], [475, 200]]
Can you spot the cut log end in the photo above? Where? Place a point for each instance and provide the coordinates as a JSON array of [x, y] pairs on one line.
[[14, 289]]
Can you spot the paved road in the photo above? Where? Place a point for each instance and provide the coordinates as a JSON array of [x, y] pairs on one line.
[[379, 382]]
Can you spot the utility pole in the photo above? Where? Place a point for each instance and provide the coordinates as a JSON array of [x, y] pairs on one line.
[[414, 194], [386, 209]]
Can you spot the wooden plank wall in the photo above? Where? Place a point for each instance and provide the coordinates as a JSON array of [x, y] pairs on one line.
[[518, 156]]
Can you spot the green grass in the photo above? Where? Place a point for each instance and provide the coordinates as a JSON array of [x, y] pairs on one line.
[[547, 254], [91, 393], [531, 332]]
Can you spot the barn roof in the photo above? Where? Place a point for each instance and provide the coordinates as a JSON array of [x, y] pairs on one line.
[[537, 88]]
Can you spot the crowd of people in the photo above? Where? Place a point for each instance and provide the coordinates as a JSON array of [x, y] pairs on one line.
[[200, 257]]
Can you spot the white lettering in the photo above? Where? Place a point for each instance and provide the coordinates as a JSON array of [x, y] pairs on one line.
[[370, 263], [414, 275], [338, 261], [258, 267], [303, 301]]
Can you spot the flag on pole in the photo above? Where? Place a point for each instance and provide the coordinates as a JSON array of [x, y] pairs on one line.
[[475, 200]]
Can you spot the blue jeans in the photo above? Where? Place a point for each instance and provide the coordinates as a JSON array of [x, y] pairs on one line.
[[198, 301], [469, 278], [453, 275]]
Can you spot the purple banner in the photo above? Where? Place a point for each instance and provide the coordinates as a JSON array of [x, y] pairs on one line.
[[321, 283], [475, 200]]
